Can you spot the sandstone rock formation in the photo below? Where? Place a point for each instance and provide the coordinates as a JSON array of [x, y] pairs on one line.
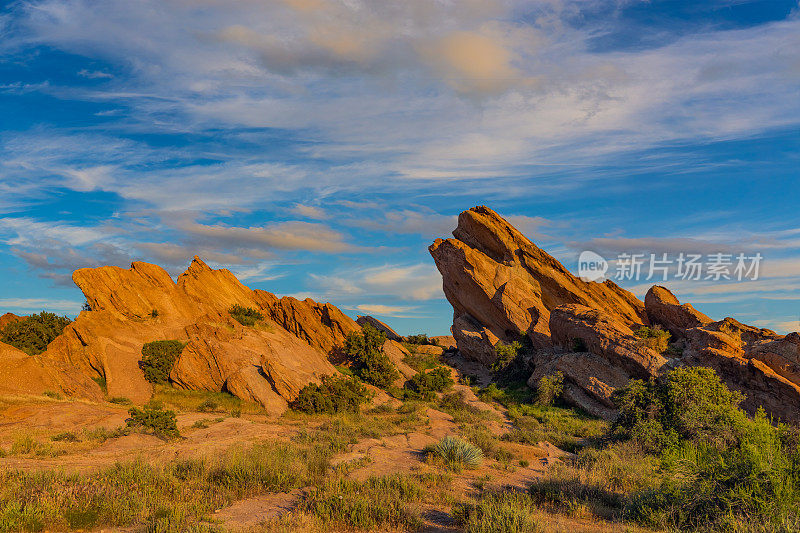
[[268, 363], [663, 308], [21, 373], [380, 326], [7, 319], [501, 285]]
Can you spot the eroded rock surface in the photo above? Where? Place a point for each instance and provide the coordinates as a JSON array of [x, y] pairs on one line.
[[502, 288], [268, 363], [501, 285]]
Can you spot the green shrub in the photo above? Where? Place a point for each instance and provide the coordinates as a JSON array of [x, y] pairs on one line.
[[246, 316], [549, 388], [720, 468], [208, 406], [456, 453], [153, 418], [334, 395], [52, 394], [424, 384], [365, 350], [421, 339], [33, 333], [653, 337], [500, 512], [158, 358], [687, 403], [505, 355], [719, 487], [66, 436], [120, 400]]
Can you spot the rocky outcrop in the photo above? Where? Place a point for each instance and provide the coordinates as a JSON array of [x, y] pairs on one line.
[[7, 319], [598, 332], [663, 308], [21, 373], [502, 286], [268, 363], [380, 326]]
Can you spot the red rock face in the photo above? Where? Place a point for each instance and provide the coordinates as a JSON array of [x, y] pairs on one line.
[[268, 363]]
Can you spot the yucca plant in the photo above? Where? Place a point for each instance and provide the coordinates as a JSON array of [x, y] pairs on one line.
[[457, 452]]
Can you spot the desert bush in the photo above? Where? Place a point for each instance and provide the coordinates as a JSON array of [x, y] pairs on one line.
[[66, 436], [653, 337], [498, 512], [158, 358], [333, 395], [549, 388], [119, 400], [246, 316], [569, 429], [207, 406], [52, 394], [505, 355], [688, 403], [273, 467], [456, 453], [720, 468], [717, 486], [33, 333], [421, 339], [369, 362], [426, 383], [153, 418]]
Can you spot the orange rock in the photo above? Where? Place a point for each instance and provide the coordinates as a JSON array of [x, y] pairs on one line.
[[663, 308], [268, 363], [7, 319], [380, 326], [498, 281]]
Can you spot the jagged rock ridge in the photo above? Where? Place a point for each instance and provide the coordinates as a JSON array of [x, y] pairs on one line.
[[268, 363], [502, 286]]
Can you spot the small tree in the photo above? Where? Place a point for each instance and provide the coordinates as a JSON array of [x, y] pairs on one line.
[[365, 350], [33, 333]]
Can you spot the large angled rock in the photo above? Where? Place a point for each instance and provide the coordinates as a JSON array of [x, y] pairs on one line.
[[268, 363], [498, 281], [380, 326], [663, 308]]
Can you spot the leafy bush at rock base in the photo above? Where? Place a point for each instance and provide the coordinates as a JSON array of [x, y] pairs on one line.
[[653, 337], [33, 333], [369, 362], [424, 384], [334, 395], [158, 358], [549, 388]]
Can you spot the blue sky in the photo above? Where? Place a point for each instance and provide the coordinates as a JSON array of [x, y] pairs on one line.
[[317, 147]]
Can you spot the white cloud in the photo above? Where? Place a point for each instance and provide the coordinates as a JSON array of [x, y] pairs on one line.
[[38, 304], [392, 311], [408, 282]]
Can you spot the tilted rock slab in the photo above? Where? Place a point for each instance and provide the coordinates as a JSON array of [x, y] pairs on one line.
[[502, 285], [268, 363]]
